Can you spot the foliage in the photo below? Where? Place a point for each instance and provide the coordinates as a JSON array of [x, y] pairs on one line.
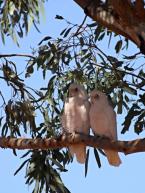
[[73, 56], [18, 16]]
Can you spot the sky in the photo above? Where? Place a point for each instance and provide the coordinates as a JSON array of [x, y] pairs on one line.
[[129, 177]]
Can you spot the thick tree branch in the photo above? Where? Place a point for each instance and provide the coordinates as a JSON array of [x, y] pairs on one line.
[[121, 16], [127, 147]]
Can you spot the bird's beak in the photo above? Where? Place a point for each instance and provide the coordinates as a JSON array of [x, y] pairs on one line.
[[71, 94]]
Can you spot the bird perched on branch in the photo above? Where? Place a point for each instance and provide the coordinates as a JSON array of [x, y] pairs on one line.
[[103, 122], [75, 118]]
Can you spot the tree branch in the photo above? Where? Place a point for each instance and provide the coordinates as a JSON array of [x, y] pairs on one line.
[[13, 55], [126, 147]]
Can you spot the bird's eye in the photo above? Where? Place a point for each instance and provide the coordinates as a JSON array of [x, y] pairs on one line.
[[76, 89], [96, 96]]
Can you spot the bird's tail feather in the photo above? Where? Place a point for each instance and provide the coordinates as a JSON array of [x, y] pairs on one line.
[[113, 158], [79, 151]]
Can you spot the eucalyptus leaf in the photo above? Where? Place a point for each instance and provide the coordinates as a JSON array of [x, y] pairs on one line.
[[97, 157], [86, 163]]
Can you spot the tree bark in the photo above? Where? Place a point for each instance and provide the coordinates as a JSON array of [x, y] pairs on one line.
[[126, 147], [120, 16]]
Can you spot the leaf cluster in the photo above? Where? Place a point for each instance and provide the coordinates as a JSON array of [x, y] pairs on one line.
[[18, 16]]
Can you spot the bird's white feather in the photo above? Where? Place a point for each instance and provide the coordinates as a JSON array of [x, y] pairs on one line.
[[75, 118], [103, 122]]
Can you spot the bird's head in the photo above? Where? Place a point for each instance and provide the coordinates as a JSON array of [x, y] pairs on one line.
[[76, 90], [98, 97]]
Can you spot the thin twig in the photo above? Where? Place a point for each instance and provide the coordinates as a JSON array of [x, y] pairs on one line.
[[77, 32], [14, 55]]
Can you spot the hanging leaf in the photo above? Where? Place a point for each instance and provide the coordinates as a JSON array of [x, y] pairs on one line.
[[128, 68], [97, 157], [63, 31], [21, 166], [86, 163], [129, 57], [94, 24], [36, 188], [67, 32], [118, 46], [120, 102], [97, 32], [44, 39], [134, 111], [142, 98], [101, 36], [81, 41]]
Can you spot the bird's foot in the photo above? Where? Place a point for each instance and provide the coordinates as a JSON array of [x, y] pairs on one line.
[[73, 134]]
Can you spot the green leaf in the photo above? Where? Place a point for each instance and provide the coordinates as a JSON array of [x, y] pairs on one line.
[[56, 163], [21, 166], [44, 39], [138, 128], [102, 152], [20, 33], [25, 154], [97, 157], [98, 32], [126, 98], [86, 163], [118, 46], [128, 68], [142, 73], [101, 36], [92, 24], [110, 37], [120, 102], [14, 152], [67, 32], [1, 121], [142, 98], [36, 188], [4, 129], [134, 111], [59, 17], [81, 41], [30, 70], [3, 37], [85, 57], [63, 31], [129, 57], [102, 58]]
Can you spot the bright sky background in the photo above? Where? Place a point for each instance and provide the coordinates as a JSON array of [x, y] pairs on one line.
[[128, 178]]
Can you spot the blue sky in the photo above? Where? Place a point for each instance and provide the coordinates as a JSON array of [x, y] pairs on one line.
[[129, 177]]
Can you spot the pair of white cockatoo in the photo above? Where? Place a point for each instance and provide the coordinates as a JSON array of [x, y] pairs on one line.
[[80, 114]]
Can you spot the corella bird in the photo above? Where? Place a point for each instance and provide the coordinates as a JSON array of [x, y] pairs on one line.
[[76, 118], [103, 122]]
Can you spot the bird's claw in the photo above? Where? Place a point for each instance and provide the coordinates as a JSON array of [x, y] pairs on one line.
[[73, 134]]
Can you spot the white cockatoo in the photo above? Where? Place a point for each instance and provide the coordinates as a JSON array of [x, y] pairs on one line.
[[103, 122], [75, 118]]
